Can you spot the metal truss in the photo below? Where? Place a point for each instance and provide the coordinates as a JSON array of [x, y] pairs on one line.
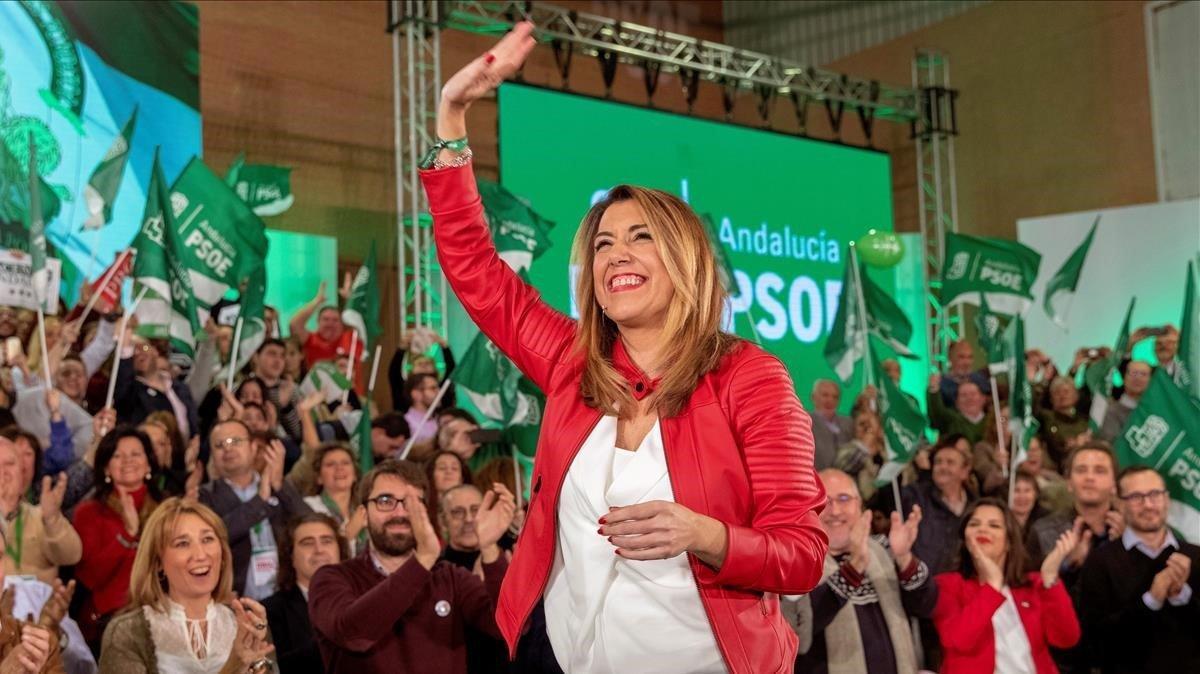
[[416, 82], [934, 131]]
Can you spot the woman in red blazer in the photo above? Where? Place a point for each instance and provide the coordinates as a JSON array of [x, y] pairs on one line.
[[648, 359], [991, 615], [110, 525]]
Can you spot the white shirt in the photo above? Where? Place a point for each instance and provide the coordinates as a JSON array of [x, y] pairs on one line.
[[1013, 654], [607, 614]]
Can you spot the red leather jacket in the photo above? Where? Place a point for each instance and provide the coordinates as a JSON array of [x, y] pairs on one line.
[[741, 452]]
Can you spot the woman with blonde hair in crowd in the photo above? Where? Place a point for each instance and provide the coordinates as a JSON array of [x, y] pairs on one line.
[[183, 616], [687, 446]]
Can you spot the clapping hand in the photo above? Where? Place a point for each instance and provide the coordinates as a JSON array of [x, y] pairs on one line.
[[860, 536], [1062, 547], [1083, 544], [57, 605], [129, 514], [495, 515], [428, 545], [250, 643], [986, 568], [51, 501], [903, 535]]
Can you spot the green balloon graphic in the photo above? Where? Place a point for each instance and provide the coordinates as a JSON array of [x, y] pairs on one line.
[[880, 249]]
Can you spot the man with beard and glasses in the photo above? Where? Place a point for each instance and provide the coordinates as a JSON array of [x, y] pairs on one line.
[[396, 607], [1138, 605], [310, 542]]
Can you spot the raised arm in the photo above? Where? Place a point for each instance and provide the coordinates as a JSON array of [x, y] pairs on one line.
[[300, 318], [507, 310]]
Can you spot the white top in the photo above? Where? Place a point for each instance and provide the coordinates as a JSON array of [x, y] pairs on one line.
[[607, 614], [183, 646], [1013, 655]]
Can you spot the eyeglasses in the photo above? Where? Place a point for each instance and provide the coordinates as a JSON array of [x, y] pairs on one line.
[[457, 514], [842, 500], [232, 442], [384, 503], [1140, 497]]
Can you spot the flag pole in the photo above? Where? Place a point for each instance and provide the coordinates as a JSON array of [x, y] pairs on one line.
[[112, 377], [868, 375], [107, 278], [996, 412], [374, 370], [350, 365], [1012, 463], [425, 419], [517, 477], [896, 494], [42, 337], [234, 347]]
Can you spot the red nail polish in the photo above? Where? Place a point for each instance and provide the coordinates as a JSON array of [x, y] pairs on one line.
[[603, 521], [488, 58], [617, 551], [600, 531]]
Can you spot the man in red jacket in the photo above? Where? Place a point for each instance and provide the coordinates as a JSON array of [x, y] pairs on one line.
[[396, 608]]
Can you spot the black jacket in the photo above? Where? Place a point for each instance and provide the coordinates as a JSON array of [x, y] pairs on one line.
[[133, 400], [295, 643], [240, 517], [1121, 632]]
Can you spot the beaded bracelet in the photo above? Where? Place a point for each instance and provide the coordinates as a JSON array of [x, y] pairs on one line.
[[458, 146]]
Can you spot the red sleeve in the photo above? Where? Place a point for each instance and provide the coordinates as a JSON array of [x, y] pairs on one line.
[[1059, 622], [964, 622], [510, 312], [103, 554], [784, 547]]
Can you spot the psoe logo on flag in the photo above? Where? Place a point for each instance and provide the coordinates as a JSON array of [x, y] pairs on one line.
[[958, 266], [1144, 439]]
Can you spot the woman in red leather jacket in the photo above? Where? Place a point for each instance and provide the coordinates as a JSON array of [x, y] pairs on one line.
[[673, 497], [991, 615]]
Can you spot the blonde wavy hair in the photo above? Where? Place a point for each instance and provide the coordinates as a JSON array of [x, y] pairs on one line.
[[147, 585], [693, 323]]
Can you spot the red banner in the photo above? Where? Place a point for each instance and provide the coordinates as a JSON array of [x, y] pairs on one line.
[[109, 283]]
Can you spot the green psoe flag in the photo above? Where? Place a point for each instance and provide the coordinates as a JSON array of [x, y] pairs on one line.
[[991, 329], [169, 308], [266, 188], [1163, 432], [847, 342], [1060, 289], [224, 246], [1187, 366], [362, 441], [494, 385], [1022, 425], [362, 306], [325, 377], [102, 186], [1099, 375], [903, 425], [520, 233], [998, 270]]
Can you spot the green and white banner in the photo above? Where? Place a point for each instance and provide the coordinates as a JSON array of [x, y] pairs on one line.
[[1099, 375], [885, 321], [325, 377], [267, 189], [998, 270], [1187, 367], [101, 190], [1061, 287], [903, 425], [168, 310], [1022, 425], [520, 233], [1163, 432], [362, 306]]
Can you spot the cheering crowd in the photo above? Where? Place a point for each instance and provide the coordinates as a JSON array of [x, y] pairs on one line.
[[1068, 563], [191, 526]]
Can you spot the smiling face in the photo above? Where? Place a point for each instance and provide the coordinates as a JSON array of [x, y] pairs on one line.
[[843, 509], [232, 448], [315, 546], [461, 506], [329, 324], [950, 468], [72, 379], [390, 531], [337, 471], [1145, 502], [192, 559], [1024, 496], [628, 277], [986, 528], [128, 466]]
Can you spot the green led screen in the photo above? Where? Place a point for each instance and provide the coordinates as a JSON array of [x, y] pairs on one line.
[[785, 207]]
